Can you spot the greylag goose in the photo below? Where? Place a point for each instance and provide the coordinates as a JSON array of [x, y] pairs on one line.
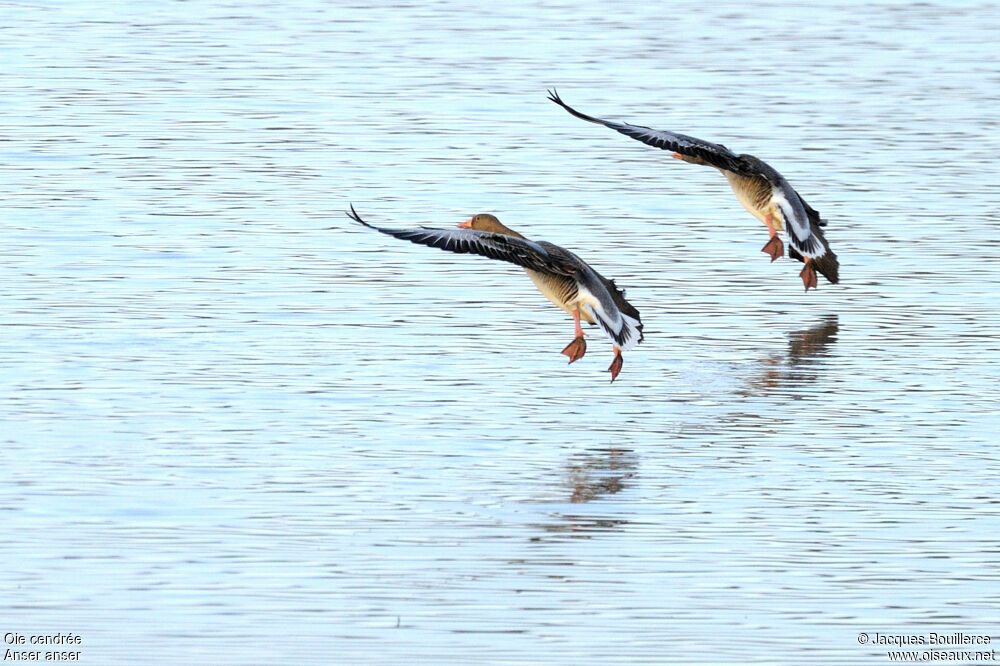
[[562, 277], [762, 191]]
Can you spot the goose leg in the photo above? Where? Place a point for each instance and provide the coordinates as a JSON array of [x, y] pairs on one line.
[[808, 275], [576, 349], [616, 365], [773, 247]]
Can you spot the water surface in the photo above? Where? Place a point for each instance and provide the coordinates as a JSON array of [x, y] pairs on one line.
[[239, 428]]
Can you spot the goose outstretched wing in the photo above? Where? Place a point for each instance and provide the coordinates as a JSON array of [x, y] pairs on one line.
[[714, 154], [519, 251]]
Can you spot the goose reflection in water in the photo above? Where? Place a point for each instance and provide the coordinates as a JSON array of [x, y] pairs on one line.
[[593, 475], [797, 365], [600, 472]]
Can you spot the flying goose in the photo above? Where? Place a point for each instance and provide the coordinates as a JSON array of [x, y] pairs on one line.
[[762, 191], [561, 276]]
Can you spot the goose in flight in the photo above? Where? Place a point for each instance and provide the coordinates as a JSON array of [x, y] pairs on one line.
[[562, 277], [762, 191]]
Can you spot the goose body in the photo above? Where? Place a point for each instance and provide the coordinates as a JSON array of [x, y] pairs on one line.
[[756, 195], [562, 277], [759, 188], [564, 293]]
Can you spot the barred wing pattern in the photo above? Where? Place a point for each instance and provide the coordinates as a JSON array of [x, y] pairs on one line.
[[520, 251]]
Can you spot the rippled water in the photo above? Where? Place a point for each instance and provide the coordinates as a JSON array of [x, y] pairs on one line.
[[239, 428]]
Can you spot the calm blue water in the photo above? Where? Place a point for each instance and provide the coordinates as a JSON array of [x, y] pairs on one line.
[[238, 428]]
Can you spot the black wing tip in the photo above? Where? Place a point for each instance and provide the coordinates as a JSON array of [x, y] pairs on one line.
[[554, 97], [829, 267], [353, 214]]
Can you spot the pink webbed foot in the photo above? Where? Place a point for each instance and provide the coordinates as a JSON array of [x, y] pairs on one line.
[[774, 247], [808, 276], [576, 349], [616, 365]]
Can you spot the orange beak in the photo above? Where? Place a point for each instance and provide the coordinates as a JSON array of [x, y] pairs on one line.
[[466, 225]]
